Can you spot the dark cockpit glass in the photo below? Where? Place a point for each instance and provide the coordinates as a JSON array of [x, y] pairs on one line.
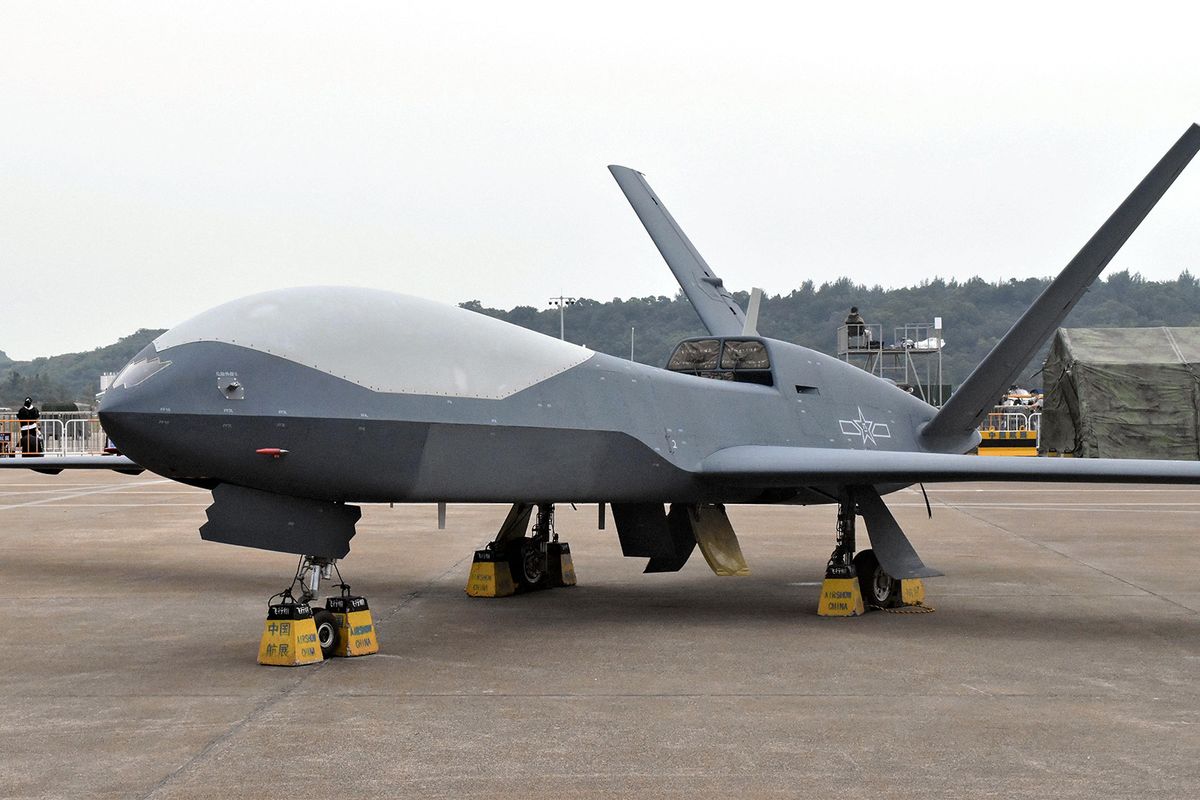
[[744, 355], [742, 360], [695, 355]]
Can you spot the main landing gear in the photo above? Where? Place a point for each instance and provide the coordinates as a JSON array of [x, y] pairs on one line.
[[855, 583], [297, 632], [514, 562]]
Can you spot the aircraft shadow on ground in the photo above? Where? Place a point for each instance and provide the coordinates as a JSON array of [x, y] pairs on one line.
[[676, 601]]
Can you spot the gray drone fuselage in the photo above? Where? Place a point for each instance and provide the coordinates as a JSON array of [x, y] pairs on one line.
[[293, 403], [380, 397]]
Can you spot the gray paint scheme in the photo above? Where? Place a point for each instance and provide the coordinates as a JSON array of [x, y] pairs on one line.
[[682, 538], [721, 315], [606, 430], [602, 429], [643, 531], [476, 356], [761, 466], [891, 546], [301, 526], [53, 465]]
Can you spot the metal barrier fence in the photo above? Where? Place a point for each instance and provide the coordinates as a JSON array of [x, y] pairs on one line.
[[1008, 424], [1012, 421], [58, 433]]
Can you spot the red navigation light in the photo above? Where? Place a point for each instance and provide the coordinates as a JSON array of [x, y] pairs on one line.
[[273, 452]]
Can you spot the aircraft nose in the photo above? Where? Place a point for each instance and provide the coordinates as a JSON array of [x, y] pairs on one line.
[[127, 401]]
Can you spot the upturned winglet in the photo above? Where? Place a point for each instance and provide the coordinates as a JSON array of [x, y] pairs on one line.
[[718, 311], [966, 408]]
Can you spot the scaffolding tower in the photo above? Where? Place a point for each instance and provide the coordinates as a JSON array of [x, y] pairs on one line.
[[912, 358]]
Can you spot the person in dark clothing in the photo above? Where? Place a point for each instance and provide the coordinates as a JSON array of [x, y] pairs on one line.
[[31, 437], [856, 328]]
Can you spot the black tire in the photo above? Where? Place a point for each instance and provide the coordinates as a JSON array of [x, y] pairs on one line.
[[529, 565], [329, 633], [878, 588]]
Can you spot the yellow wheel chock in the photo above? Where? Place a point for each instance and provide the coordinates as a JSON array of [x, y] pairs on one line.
[[841, 597], [912, 592], [356, 629], [490, 575], [289, 636], [491, 571]]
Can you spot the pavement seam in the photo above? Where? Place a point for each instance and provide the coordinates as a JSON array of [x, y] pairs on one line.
[[269, 702], [78, 494], [213, 744], [413, 595], [1071, 558]]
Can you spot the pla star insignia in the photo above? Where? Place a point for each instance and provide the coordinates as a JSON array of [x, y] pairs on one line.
[[867, 429]]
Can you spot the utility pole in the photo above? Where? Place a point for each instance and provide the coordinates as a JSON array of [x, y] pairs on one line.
[[631, 330], [562, 303]]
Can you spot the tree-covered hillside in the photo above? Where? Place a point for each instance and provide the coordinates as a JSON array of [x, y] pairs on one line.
[[975, 315], [61, 380]]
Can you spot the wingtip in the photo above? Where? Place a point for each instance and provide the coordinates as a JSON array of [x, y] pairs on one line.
[[617, 168]]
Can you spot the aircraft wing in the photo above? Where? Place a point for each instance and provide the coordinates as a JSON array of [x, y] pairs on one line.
[[775, 466], [52, 465], [971, 401], [705, 291]]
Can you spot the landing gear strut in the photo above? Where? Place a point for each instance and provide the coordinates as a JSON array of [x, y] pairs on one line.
[[514, 562], [528, 557], [299, 632], [840, 592], [854, 583], [309, 574], [841, 561]]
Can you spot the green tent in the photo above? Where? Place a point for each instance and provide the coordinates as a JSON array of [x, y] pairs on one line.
[[1122, 393]]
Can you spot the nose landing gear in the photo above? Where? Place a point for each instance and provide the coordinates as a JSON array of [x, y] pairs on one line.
[[296, 633]]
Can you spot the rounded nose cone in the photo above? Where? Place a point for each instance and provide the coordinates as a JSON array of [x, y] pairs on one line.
[[125, 401], [117, 415]]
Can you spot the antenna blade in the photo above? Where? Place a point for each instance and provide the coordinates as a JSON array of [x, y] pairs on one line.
[[967, 407], [751, 326], [718, 311]]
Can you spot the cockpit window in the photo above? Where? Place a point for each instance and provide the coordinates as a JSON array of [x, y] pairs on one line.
[[695, 355], [744, 355], [742, 360]]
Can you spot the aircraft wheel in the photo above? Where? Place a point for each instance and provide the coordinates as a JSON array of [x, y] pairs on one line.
[[878, 588], [530, 569], [329, 633]]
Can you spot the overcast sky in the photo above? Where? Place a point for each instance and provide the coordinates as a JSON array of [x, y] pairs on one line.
[[157, 159]]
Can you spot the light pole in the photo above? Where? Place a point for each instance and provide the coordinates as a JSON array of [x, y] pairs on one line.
[[562, 303], [937, 331]]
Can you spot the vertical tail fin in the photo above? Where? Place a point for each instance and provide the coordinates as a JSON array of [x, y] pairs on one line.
[[750, 328], [970, 403], [721, 315]]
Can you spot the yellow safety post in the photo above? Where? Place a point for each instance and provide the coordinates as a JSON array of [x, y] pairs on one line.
[[490, 575], [289, 637], [357, 629], [841, 597]]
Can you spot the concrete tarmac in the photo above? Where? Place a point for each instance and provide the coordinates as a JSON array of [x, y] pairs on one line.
[[1062, 661]]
